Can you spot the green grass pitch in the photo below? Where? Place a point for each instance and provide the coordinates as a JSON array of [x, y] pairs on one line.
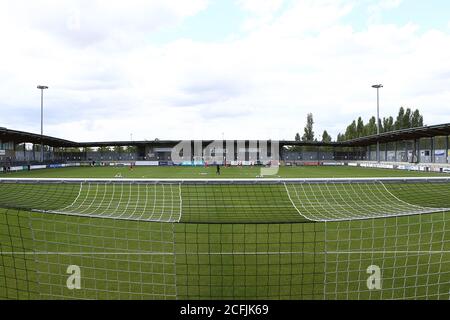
[[210, 172], [264, 251]]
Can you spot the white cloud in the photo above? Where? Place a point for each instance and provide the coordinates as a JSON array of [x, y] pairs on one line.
[[106, 84], [388, 4], [89, 22], [261, 11], [376, 9], [260, 7]]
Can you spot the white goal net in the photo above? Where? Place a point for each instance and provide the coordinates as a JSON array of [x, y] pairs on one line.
[[361, 238]]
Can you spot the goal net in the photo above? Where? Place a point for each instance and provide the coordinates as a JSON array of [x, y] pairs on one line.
[[383, 238]]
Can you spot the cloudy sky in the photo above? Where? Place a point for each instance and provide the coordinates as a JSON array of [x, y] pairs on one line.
[[197, 69]]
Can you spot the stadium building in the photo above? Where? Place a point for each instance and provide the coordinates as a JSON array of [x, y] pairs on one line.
[[308, 233], [424, 148]]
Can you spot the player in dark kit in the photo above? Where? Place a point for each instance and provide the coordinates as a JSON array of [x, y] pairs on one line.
[[218, 170]]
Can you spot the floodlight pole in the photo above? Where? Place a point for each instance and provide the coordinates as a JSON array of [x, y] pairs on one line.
[[42, 88], [378, 86]]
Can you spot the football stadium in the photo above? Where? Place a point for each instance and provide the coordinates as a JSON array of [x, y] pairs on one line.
[[224, 158], [367, 218]]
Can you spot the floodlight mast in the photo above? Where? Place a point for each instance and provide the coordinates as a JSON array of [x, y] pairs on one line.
[[42, 88], [378, 86]]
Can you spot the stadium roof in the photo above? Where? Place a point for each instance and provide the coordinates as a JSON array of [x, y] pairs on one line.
[[127, 143], [313, 143], [205, 142], [22, 136], [404, 134]]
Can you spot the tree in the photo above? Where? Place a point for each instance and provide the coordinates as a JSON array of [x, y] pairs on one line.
[[103, 150], [388, 124], [326, 137], [399, 120], [407, 119], [351, 131], [417, 119], [371, 127], [297, 136], [88, 149], [131, 149], [309, 133], [360, 127], [119, 149]]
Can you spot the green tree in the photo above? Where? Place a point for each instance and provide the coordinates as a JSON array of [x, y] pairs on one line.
[[297, 136], [360, 127], [407, 119], [388, 124], [326, 137], [399, 120], [371, 127], [119, 149], [417, 119], [309, 133], [131, 149], [351, 131], [103, 150]]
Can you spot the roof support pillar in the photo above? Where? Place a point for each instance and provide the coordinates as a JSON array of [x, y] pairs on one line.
[[378, 151], [447, 155], [395, 150], [417, 149], [386, 151], [318, 154], [406, 150], [433, 158]]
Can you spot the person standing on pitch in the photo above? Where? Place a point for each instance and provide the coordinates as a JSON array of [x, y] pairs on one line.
[[218, 170]]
